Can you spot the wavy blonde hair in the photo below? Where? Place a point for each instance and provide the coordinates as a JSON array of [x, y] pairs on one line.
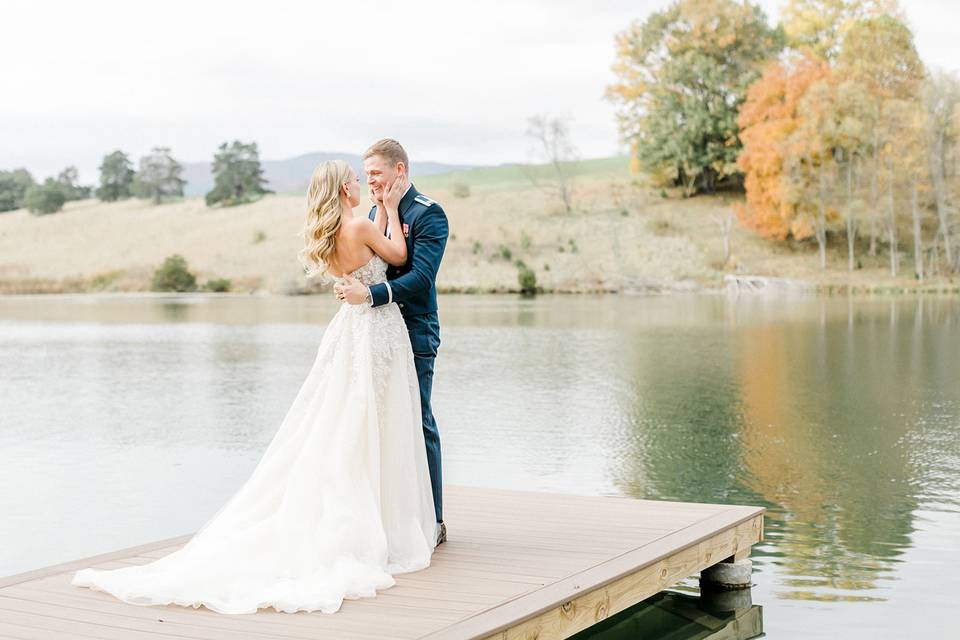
[[324, 215]]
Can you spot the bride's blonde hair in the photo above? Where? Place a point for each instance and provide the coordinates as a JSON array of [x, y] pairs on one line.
[[324, 215]]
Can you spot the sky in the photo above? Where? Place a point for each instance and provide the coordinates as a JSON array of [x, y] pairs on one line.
[[455, 81]]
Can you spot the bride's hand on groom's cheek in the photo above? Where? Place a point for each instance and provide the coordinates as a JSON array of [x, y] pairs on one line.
[[395, 190]]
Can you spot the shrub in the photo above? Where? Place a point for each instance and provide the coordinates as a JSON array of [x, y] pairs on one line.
[[41, 199], [218, 285], [461, 190], [259, 237], [173, 275], [102, 281], [505, 252], [660, 226], [527, 280], [525, 240], [477, 247]]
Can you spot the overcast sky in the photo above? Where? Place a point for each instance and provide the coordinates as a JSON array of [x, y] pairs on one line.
[[454, 80]]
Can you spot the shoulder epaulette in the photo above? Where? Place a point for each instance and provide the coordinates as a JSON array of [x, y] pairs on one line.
[[424, 200]]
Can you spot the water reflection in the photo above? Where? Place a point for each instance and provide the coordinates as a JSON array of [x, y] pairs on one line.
[[130, 419], [676, 616], [831, 423]]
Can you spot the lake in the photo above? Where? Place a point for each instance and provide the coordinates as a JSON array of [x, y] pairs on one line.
[[129, 419]]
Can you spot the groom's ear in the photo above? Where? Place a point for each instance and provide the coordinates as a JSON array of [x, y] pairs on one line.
[[401, 168]]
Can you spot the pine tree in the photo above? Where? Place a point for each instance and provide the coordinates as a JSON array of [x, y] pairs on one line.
[[159, 176], [238, 176], [116, 177]]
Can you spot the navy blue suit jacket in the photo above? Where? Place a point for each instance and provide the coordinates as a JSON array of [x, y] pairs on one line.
[[414, 285]]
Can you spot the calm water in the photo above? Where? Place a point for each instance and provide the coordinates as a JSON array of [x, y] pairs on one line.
[[128, 420]]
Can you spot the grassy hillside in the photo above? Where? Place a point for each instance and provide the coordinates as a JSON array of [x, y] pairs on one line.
[[623, 237]]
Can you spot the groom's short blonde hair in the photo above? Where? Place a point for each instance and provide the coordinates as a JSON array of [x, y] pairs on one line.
[[389, 149]]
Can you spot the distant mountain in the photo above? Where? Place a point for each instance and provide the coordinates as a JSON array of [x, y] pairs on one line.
[[293, 174]]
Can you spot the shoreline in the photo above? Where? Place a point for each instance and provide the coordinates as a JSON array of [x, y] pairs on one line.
[[944, 286]]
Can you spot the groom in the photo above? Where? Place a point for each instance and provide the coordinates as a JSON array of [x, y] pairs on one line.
[[413, 286]]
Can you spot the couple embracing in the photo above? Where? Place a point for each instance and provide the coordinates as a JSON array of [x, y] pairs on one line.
[[348, 492]]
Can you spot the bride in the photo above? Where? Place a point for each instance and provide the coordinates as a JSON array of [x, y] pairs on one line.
[[340, 501]]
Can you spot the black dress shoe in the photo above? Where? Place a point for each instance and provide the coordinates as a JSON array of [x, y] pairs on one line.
[[442, 536]]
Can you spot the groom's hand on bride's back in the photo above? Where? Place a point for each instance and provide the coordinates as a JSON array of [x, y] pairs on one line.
[[353, 291]]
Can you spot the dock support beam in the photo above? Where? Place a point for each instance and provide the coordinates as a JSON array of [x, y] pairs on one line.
[[730, 574]]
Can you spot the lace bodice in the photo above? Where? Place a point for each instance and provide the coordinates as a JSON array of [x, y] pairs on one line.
[[374, 271]]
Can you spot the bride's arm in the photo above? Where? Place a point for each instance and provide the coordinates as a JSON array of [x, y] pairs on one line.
[[393, 249]]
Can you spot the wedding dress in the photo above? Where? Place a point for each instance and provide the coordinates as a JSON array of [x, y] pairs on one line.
[[339, 502]]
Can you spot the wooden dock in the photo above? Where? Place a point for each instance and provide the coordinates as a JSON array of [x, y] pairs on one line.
[[516, 565]]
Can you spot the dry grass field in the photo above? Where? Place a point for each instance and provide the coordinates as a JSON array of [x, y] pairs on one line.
[[622, 237]]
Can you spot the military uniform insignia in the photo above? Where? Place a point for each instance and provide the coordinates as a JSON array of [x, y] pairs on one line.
[[424, 200]]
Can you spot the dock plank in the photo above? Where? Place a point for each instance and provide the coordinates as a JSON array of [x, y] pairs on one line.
[[517, 564]]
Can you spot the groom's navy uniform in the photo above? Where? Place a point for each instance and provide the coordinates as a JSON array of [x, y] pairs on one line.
[[414, 288]]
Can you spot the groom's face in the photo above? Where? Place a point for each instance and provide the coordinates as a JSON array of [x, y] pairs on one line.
[[380, 173]]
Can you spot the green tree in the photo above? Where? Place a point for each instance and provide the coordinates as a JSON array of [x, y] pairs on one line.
[[159, 176], [41, 199], [681, 77], [13, 187], [237, 174], [67, 179], [116, 177]]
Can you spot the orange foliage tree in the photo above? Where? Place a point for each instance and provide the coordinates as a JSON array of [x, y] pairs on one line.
[[767, 119]]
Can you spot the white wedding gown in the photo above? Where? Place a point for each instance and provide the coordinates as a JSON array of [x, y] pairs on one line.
[[338, 503]]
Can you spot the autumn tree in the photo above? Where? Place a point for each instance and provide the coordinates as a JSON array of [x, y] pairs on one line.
[[941, 97], [768, 117], [682, 75], [879, 54], [905, 173], [810, 164], [818, 27], [841, 118]]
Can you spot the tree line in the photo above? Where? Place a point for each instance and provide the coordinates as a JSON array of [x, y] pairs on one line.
[[829, 121], [238, 178]]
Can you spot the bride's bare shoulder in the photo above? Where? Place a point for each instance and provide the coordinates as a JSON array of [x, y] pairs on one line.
[[358, 224], [359, 227]]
